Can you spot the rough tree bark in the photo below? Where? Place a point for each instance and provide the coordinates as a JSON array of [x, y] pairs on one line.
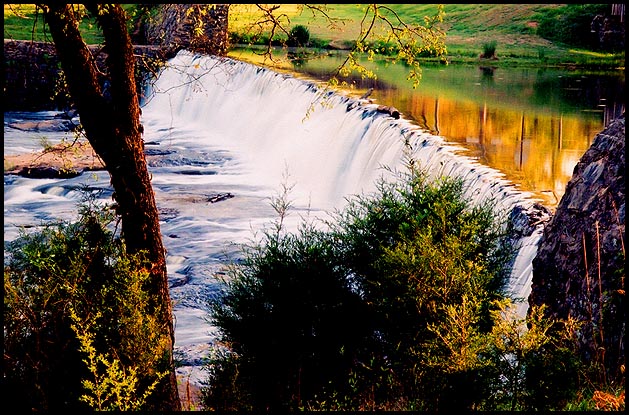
[[110, 116]]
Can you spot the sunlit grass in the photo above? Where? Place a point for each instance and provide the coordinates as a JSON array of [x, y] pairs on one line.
[[22, 23], [26, 22], [346, 22], [591, 53]]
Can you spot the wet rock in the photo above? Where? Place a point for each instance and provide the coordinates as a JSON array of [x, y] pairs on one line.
[[385, 109], [44, 172], [168, 214], [219, 197], [53, 125], [526, 219]]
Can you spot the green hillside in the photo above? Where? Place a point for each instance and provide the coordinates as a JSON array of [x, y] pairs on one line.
[[515, 28], [468, 27], [462, 21]]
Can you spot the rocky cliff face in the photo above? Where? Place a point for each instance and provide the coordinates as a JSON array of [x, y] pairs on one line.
[[579, 268]]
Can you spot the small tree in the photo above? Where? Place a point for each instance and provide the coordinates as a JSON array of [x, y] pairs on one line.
[[299, 36], [71, 288]]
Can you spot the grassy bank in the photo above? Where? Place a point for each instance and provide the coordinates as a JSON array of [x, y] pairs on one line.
[[470, 28]]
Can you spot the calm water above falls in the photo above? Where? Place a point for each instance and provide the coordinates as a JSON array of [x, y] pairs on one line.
[[228, 128], [533, 125]]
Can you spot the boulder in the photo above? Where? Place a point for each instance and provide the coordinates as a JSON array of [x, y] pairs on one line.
[[47, 172]]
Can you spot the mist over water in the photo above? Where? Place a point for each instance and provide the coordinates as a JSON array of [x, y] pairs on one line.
[[223, 138]]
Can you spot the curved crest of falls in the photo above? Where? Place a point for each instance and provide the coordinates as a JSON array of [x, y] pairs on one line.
[[223, 137]]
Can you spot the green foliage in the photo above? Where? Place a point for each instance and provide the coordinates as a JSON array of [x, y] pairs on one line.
[[245, 38], [26, 22], [417, 250], [396, 305], [140, 15], [299, 36], [71, 288], [290, 319], [225, 389], [410, 42], [529, 358], [463, 21], [113, 387], [570, 24], [359, 316]]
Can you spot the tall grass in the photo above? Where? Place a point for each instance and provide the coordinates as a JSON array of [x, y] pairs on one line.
[[489, 49]]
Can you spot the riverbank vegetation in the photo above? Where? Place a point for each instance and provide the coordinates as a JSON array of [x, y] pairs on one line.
[[397, 303], [524, 34], [79, 333]]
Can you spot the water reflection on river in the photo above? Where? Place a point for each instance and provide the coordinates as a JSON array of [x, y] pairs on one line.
[[531, 124]]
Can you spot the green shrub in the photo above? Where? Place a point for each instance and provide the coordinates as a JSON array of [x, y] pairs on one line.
[[299, 36], [571, 24], [77, 269], [290, 319], [416, 249], [347, 318], [397, 304]]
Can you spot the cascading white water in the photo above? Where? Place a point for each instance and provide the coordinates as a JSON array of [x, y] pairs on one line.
[[331, 146], [219, 126]]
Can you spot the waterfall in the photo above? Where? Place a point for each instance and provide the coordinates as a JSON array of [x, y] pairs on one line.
[[220, 129], [331, 146]]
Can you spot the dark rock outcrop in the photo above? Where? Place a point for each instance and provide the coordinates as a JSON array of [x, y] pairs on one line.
[[610, 30], [385, 109], [46, 172], [579, 268]]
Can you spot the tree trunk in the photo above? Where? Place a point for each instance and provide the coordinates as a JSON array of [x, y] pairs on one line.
[[110, 115]]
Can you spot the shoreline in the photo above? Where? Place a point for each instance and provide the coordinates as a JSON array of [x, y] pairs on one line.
[[74, 157]]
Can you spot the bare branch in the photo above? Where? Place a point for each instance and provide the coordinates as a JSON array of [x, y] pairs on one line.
[[322, 9]]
